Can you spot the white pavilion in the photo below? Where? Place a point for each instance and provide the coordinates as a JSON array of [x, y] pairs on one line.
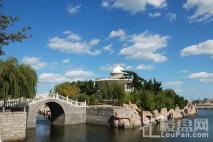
[[118, 76]]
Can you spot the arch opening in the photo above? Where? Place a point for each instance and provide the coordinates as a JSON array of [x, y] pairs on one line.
[[52, 113]]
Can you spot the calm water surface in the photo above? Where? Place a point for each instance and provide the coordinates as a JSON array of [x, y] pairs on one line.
[[94, 133]]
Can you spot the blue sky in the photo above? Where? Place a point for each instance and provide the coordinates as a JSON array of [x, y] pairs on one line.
[[80, 39]]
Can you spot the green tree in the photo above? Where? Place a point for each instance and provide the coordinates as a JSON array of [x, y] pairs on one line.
[[83, 97], [118, 93], [67, 89], [148, 100], [157, 86], [6, 36], [87, 87], [162, 101], [106, 90], [114, 91], [17, 80], [137, 82]]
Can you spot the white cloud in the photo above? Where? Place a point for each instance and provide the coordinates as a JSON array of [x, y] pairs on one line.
[[72, 36], [144, 46], [203, 10], [65, 61], [202, 76], [172, 17], [73, 9], [205, 47], [173, 84], [176, 85], [144, 67], [183, 71], [134, 6], [67, 32], [119, 33], [79, 74], [156, 14], [68, 45], [69, 76], [35, 62], [94, 42], [105, 3], [52, 78], [108, 48]]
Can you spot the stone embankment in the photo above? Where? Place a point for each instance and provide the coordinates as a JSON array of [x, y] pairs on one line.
[[164, 114], [130, 116], [12, 126], [116, 116]]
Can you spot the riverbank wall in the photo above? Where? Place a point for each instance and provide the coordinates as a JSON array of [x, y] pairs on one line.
[[115, 116], [12, 126], [130, 116], [99, 114], [171, 114]]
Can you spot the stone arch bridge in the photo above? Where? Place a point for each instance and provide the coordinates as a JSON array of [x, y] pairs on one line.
[[64, 111]]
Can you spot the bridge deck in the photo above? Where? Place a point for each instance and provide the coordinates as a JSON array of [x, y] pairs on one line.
[[20, 103]]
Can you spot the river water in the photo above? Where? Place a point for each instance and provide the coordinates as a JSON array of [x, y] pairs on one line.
[[94, 133]]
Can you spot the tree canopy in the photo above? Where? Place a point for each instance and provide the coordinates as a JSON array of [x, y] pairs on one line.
[[6, 36], [67, 89], [17, 80]]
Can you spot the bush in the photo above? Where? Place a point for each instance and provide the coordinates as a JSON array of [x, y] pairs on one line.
[[92, 99], [147, 100], [83, 97]]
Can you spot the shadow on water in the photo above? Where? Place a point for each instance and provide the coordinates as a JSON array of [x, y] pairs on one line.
[[44, 132]]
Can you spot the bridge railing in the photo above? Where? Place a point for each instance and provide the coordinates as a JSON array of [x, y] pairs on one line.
[[21, 102], [13, 104], [57, 96]]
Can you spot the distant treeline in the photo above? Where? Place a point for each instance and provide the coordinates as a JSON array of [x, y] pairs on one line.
[[148, 94]]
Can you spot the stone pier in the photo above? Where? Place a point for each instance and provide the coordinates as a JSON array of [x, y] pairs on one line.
[[12, 126]]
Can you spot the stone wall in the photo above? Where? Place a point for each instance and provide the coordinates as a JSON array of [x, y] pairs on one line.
[[12, 126], [164, 114], [99, 114], [75, 115], [113, 115]]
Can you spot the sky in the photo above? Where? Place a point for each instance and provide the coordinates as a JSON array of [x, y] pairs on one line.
[[170, 40]]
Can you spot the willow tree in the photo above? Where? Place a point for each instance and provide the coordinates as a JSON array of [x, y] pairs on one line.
[[17, 80]]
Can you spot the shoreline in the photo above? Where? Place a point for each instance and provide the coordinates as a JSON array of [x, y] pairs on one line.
[[122, 118]]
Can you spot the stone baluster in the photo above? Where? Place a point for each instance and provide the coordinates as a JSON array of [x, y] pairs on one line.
[[76, 101], [57, 95]]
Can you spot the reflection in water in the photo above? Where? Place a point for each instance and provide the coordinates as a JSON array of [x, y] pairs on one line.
[[94, 133]]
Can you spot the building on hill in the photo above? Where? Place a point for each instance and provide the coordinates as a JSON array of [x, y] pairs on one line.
[[119, 76]]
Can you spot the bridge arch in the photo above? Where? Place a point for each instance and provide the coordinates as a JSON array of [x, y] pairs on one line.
[[56, 113], [63, 112]]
